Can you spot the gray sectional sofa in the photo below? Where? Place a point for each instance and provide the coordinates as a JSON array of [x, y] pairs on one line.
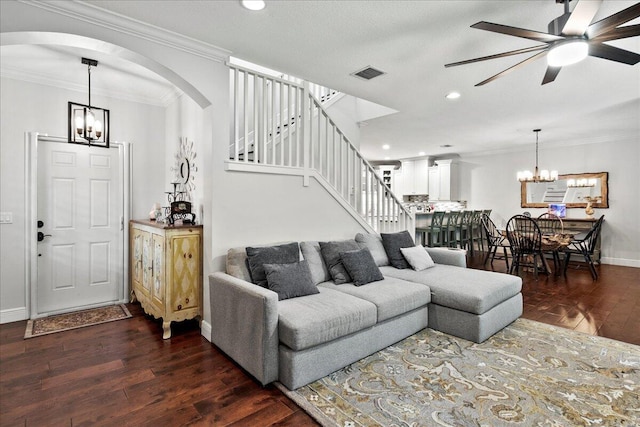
[[298, 340]]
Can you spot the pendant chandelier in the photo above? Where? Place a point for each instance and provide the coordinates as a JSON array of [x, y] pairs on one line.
[[88, 125], [537, 176]]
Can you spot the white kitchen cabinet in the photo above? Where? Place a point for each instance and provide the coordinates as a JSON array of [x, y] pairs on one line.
[[444, 181], [415, 176], [434, 183]]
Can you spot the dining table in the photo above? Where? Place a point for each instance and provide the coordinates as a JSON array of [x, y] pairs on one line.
[[553, 243]]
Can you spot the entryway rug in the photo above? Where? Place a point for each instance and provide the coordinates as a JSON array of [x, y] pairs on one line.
[[77, 319], [529, 374]]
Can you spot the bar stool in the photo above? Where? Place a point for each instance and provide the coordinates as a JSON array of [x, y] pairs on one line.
[[450, 229], [464, 230], [433, 232]]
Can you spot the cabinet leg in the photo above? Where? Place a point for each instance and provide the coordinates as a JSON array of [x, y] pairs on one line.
[[132, 296], [166, 328]]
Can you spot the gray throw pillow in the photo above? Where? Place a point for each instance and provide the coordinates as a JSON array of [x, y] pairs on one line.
[[258, 257], [361, 266], [290, 280], [331, 253], [373, 242], [392, 243], [311, 253]]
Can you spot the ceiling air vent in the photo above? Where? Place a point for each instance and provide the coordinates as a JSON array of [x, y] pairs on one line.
[[368, 73]]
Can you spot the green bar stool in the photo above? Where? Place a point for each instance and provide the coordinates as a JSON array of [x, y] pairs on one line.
[[450, 229], [434, 231]]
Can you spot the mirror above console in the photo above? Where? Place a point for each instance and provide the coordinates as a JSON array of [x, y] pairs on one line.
[[575, 190]]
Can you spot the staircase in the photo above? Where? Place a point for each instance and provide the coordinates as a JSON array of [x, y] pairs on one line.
[[280, 125]]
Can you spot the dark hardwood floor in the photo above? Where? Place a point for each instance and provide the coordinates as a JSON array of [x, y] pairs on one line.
[[123, 373]]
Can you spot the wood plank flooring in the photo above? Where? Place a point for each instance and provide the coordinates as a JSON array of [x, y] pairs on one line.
[[123, 373]]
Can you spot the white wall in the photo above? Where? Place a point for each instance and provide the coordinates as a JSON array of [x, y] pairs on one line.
[[489, 181], [30, 107]]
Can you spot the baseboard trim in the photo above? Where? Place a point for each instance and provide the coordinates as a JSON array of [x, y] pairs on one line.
[[205, 330], [621, 261], [15, 315]]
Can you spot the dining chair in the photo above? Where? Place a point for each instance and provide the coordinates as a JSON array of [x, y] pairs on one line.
[[525, 239], [495, 240], [585, 246], [550, 225]]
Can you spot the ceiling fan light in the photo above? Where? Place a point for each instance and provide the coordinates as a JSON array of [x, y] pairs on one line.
[[567, 53]]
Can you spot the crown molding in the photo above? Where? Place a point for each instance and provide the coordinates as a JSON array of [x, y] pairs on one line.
[[97, 16], [162, 100]]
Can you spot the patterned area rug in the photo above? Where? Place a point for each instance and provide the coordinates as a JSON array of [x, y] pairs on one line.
[[529, 374], [77, 319]]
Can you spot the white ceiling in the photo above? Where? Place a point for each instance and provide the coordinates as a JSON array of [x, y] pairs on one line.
[[324, 41]]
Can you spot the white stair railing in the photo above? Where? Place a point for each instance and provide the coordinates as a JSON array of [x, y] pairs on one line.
[[307, 142]]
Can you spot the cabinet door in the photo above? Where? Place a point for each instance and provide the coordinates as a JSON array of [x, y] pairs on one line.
[[421, 176], [136, 258], [434, 184], [158, 293], [147, 263], [445, 181], [408, 177], [185, 272]]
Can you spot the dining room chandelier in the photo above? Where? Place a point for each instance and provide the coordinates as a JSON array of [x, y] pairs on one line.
[[538, 175], [88, 124]]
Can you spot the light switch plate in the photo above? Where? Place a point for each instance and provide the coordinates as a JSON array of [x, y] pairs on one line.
[[6, 217]]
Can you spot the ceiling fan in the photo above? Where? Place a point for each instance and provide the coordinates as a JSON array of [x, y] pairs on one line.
[[571, 38]]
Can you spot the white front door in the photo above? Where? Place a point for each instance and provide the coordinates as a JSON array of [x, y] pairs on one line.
[[80, 205]]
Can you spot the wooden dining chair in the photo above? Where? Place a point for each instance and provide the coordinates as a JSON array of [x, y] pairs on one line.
[[551, 224], [525, 239], [495, 240], [585, 246]]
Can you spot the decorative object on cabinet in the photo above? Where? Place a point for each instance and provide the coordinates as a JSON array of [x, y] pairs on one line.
[[185, 167], [88, 124], [537, 176], [565, 190], [589, 208], [166, 270]]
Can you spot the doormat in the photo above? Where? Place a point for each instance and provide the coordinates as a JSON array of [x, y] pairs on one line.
[[75, 320]]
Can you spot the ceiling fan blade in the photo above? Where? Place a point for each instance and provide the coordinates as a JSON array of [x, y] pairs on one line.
[[611, 53], [517, 32], [618, 33], [498, 55], [581, 17], [551, 74], [609, 23], [512, 68]]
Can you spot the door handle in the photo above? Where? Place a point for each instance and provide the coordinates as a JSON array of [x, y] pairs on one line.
[[41, 236]]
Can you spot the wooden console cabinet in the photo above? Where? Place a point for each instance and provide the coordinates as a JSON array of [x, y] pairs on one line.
[[166, 270]]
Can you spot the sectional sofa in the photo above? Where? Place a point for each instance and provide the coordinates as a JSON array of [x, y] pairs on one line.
[[297, 340]]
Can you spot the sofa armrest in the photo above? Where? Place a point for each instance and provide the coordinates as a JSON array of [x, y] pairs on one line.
[[244, 324], [456, 257]]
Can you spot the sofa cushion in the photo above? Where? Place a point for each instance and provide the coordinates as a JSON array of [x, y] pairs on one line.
[[331, 255], [473, 291], [418, 258], [361, 266], [373, 242], [290, 280], [315, 319], [259, 256], [392, 243], [391, 296], [311, 253], [237, 265]]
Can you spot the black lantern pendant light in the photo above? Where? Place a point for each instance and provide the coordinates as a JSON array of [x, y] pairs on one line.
[[88, 125]]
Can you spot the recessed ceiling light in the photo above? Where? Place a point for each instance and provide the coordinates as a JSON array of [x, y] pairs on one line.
[[446, 145], [386, 146], [253, 4], [387, 158], [422, 153], [453, 95]]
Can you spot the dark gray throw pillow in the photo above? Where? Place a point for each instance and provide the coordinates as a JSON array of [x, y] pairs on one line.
[[361, 266], [258, 257], [290, 280], [331, 254], [392, 243]]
